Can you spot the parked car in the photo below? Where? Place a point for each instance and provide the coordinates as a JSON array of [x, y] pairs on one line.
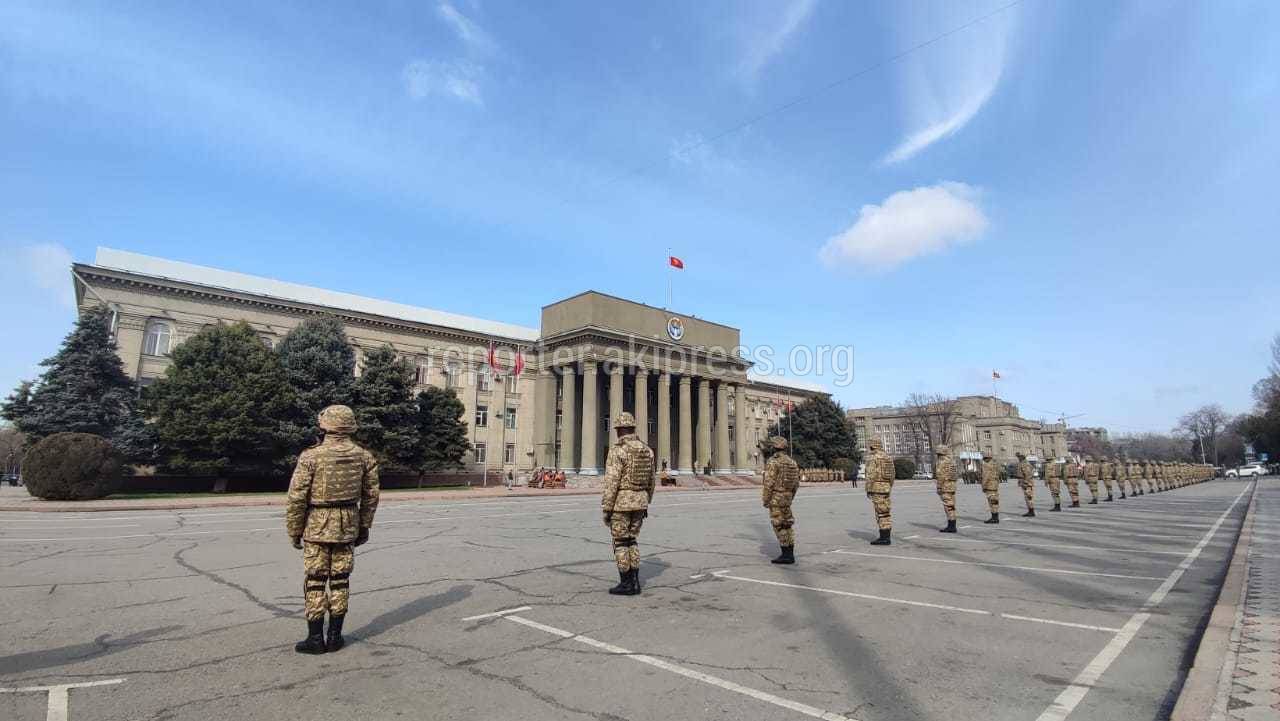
[[1251, 470]]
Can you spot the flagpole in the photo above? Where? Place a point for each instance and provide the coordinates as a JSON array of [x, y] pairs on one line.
[[670, 273]]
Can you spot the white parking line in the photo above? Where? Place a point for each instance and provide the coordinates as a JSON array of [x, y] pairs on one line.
[[716, 681], [157, 534], [1074, 518], [1036, 569], [60, 695], [1091, 532], [1071, 697], [495, 614], [907, 602], [1109, 549]]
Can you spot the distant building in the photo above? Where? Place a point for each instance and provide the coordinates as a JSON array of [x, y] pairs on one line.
[[1096, 433], [978, 424]]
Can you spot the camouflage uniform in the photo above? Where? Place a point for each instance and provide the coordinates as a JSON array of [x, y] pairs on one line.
[[1106, 470], [1148, 476], [333, 496], [879, 484], [1071, 472], [628, 488], [990, 478], [1157, 475], [1091, 470], [944, 474], [1052, 473], [1027, 481], [781, 480]]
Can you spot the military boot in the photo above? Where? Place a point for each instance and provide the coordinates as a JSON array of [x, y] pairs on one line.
[[314, 642], [624, 583], [1056, 507], [1075, 504], [995, 518], [950, 528], [1093, 501], [1122, 495], [1109, 498], [884, 539], [335, 640], [788, 555], [1031, 513]]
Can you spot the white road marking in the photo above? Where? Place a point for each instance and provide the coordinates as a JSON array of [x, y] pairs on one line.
[[84, 528], [697, 575], [1094, 532], [59, 696], [964, 527], [1075, 518], [682, 671], [1071, 697], [136, 535], [998, 565], [1109, 549], [495, 614], [908, 538], [907, 602]]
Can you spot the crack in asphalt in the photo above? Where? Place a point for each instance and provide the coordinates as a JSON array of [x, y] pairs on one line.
[[273, 608]]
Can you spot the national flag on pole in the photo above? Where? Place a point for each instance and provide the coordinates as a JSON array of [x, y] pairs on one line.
[[519, 366], [493, 358], [675, 262], [995, 375]]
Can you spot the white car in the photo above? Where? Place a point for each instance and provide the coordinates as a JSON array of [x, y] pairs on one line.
[[1251, 470]]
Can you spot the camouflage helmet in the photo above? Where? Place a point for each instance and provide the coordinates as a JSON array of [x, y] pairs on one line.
[[338, 419], [1021, 455], [624, 420], [986, 455], [777, 443], [942, 451], [875, 444]]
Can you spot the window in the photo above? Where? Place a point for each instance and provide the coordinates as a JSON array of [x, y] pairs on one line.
[[509, 418], [509, 453], [559, 419], [481, 453], [267, 341], [156, 342], [513, 383], [482, 416], [453, 375], [422, 371], [483, 379]]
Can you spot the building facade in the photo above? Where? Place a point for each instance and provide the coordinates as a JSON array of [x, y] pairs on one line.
[[978, 424], [594, 356]]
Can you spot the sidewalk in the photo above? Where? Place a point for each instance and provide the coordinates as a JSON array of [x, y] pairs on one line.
[[1236, 674]]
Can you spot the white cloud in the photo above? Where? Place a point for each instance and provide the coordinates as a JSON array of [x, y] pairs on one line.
[[48, 265], [471, 34], [946, 84], [765, 40], [908, 224], [456, 78]]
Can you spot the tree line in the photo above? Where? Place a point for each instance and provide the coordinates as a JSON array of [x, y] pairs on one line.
[[230, 406]]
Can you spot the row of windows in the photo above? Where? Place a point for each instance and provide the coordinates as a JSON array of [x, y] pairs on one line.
[[508, 453], [508, 418]]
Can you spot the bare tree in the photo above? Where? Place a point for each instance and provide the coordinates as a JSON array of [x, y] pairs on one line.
[[1204, 425], [1153, 446], [932, 419], [12, 443]]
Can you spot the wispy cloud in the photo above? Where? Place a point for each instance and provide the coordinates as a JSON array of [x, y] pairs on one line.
[[467, 30], [945, 85], [907, 225], [766, 37], [454, 78], [48, 265]]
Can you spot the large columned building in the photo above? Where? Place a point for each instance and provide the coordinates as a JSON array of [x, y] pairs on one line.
[[695, 400]]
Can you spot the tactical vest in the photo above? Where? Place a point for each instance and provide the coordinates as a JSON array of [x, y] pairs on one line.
[[785, 472], [879, 473], [340, 470]]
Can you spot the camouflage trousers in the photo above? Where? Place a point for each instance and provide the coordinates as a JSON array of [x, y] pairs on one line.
[[1151, 486], [948, 504], [783, 522], [1073, 489], [328, 568], [993, 498], [1055, 490], [1028, 494], [1107, 482], [880, 502], [624, 527], [1093, 487]]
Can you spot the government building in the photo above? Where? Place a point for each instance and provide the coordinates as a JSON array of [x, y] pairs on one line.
[[535, 397]]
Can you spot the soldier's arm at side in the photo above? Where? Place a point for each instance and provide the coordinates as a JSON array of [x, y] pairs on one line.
[[612, 480], [295, 513], [770, 478], [370, 492]]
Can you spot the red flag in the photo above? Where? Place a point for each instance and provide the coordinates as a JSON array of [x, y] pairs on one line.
[[675, 262], [519, 363], [995, 375]]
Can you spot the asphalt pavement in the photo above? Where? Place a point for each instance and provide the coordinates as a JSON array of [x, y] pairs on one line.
[[1092, 613]]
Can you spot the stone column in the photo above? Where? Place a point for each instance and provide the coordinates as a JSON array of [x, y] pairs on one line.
[[590, 420], [722, 464], [642, 406], [616, 378], [569, 418], [686, 427], [704, 424], [742, 451], [664, 421], [544, 425]]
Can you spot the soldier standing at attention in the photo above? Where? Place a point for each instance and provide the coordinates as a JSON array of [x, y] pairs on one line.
[[991, 486], [1091, 470], [332, 498], [944, 473], [879, 485], [1071, 472], [1053, 479], [628, 489], [1147, 476], [1028, 484], [781, 479], [1104, 475]]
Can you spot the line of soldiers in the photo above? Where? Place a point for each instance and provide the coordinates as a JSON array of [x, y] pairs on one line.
[[1141, 476]]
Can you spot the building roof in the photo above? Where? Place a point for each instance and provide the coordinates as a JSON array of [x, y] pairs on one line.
[[786, 382], [111, 259]]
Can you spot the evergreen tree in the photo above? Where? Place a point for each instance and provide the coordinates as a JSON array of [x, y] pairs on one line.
[[84, 389], [220, 406], [820, 433], [386, 410], [319, 365], [441, 429]]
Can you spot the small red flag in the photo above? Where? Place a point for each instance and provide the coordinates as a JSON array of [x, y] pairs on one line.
[[519, 363], [675, 262], [995, 375]]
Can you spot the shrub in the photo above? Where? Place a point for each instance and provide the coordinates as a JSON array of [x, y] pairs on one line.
[[72, 467], [903, 468]]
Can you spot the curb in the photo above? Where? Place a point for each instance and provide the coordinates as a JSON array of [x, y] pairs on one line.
[[1210, 674]]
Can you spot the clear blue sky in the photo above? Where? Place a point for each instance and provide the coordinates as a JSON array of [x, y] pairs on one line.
[[1080, 195]]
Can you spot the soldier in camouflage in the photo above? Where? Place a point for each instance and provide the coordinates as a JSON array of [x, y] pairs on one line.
[[1027, 482], [1105, 469], [944, 474], [1148, 476], [879, 485], [333, 496], [781, 480], [1071, 473], [991, 486], [629, 479], [1052, 473], [1091, 473]]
